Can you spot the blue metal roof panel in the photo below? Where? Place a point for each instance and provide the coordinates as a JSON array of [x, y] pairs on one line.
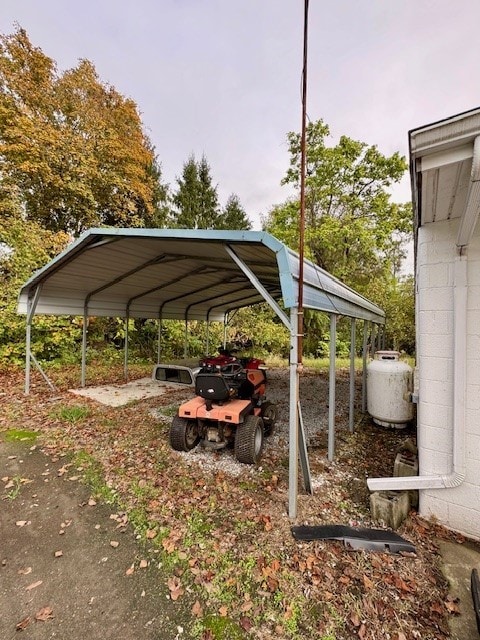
[[178, 271]]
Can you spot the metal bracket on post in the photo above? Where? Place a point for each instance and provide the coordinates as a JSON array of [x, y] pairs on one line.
[[259, 287]]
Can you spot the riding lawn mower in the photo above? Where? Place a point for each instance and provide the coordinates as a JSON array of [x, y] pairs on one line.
[[229, 408]]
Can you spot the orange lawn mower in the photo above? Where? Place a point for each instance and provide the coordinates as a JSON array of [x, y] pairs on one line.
[[229, 408]]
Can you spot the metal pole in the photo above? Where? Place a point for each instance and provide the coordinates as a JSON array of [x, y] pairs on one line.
[[352, 375], [84, 346], [331, 387], [125, 364], [159, 339], [364, 366], [303, 162], [31, 306], [293, 430], [225, 323], [27, 356], [207, 346], [185, 346]]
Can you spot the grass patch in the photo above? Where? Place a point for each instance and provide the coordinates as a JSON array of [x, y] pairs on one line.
[[71, 413], [20, 435], [220, 628], [15, 490], [94, 477]]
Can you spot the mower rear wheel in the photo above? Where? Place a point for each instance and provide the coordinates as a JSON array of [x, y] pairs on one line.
[[269, 414], [249, 440], [183, 434]]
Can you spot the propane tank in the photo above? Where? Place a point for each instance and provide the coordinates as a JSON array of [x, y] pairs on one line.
[[389, 389]]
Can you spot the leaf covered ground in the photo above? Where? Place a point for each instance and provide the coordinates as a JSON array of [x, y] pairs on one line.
[[220, 530]]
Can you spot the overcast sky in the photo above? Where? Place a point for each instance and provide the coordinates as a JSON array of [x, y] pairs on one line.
[[223, 77]]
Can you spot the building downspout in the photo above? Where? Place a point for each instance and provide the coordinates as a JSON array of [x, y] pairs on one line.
[[460, 303]]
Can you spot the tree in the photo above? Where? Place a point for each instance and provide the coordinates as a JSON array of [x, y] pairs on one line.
[[352, 229], [73, 145], [24, 247], [196, 201], [234, 216]]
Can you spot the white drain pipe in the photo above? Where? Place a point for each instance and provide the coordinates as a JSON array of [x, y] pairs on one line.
[[460, 302]]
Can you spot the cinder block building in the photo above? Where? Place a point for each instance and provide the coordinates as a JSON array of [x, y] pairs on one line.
[[445, 175]]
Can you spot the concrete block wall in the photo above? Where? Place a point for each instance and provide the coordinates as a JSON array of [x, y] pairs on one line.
[[457, 508]]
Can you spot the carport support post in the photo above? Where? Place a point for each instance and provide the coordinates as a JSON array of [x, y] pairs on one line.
[[125, 363], [159, 340], [31, 306], [225, 325], [352, 374], [84, 346], [364, 366], [331, 387], [293, 434], [185, 346]]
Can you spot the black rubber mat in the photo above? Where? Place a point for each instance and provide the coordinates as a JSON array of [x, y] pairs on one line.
[[355, 537], [475, 583]]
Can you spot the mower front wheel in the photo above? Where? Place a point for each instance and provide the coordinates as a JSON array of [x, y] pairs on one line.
[[249, 440], [269, 414], [183, 434]]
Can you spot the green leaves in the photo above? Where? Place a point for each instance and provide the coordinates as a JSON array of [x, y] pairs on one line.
[[73, 146]]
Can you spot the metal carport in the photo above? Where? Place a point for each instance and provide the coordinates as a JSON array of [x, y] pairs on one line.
[[196, 275]]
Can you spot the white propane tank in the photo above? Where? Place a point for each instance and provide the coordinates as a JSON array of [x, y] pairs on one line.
[[389, 388]]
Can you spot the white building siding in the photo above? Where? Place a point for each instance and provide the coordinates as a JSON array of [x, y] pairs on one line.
[[458, 508]]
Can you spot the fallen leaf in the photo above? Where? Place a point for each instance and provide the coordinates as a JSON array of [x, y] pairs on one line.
[[23, 624], [175, 587], [143, 564], [25, 571], [362, 631], [367, 582], [150, 534], [22, 523], [44, 614], [451, 605], [58, 554], [34, 585], [246, 624], [223, 611], [91, 502], [130, 570], [197, 609], [355, 619], [114, 543]]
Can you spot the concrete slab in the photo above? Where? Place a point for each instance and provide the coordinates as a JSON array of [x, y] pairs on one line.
[[116, 395], [458, 562]]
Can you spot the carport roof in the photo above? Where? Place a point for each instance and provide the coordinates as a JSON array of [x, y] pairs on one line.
[[182, 273]]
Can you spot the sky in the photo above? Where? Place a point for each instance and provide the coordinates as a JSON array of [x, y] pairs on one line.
[[222, 78]]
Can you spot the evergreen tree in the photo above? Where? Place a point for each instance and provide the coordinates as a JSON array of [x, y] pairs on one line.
[[196, 200], [234, 216]]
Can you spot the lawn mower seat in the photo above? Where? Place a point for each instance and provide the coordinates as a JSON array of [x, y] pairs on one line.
[[212, 386]]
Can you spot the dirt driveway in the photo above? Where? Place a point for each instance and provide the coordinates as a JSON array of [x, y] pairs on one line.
[[71, 568]]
